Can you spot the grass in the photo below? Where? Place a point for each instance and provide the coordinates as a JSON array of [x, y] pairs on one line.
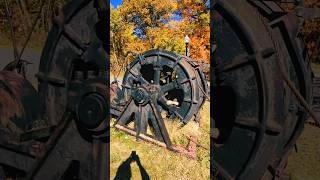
[[305, 164], [159, 162], [316, 69]]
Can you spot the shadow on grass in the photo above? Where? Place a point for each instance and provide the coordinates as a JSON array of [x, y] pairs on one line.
[[124, 170]]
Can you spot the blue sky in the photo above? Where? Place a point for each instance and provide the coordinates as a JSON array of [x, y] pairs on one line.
[[115, 3]]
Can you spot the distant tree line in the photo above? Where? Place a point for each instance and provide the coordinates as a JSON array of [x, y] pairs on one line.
[[140, 25], [310, 31]]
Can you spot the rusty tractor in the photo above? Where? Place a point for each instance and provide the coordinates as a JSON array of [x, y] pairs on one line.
[[60, 129]]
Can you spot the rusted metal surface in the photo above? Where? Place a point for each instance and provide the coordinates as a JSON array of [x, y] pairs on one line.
[[189, 151], [20, 104], [159, 84], [60, 130], [182, 97], [262, 99]]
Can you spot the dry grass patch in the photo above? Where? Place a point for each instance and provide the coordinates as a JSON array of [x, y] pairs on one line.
[[159, 162]]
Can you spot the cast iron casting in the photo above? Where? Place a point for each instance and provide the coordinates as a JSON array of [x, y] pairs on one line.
[[60, 130], [159, 84], [261, 90]]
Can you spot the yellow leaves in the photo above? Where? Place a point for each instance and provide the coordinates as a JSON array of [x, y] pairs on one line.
[[200, 45], [310, 30], [167, 38], [196, 23], [141, 25], [147, 13]]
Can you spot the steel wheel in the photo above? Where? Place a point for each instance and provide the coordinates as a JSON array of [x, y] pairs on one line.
[[73, 59], [251, 108], [72, 82], [174, 78]]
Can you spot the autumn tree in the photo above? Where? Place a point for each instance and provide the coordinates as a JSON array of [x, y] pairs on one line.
[[310, 30], [146, 14], [196, 24], [149, 24], [121, 39]]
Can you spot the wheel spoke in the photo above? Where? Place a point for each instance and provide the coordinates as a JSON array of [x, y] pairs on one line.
[[160, 124], [157, 71], [170, 86], [125, 116], [236, 63], [172, 77], [70, 33], [156, 78], [141, 59], [143, 80], [177, 62], [126, 86], [137, 120], [144, 120], [188, 100], [176, 112], [132, 73], [273, 127], [221, 171], [250, 123], [185, 80], [141, 120]]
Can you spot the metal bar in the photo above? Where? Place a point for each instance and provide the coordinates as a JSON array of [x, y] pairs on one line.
[[296, 92], [30, 32], [223, 172], [104, 162], [14, 159], [141, 136], [50, 144], [160, 123], [12, 34], [146, 138]]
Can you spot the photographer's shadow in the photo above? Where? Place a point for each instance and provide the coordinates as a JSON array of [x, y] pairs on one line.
[[124, 170]]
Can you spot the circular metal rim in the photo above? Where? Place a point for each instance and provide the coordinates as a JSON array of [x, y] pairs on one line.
[[184, 65], [252, 47], [299, 125], [59, 82]]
